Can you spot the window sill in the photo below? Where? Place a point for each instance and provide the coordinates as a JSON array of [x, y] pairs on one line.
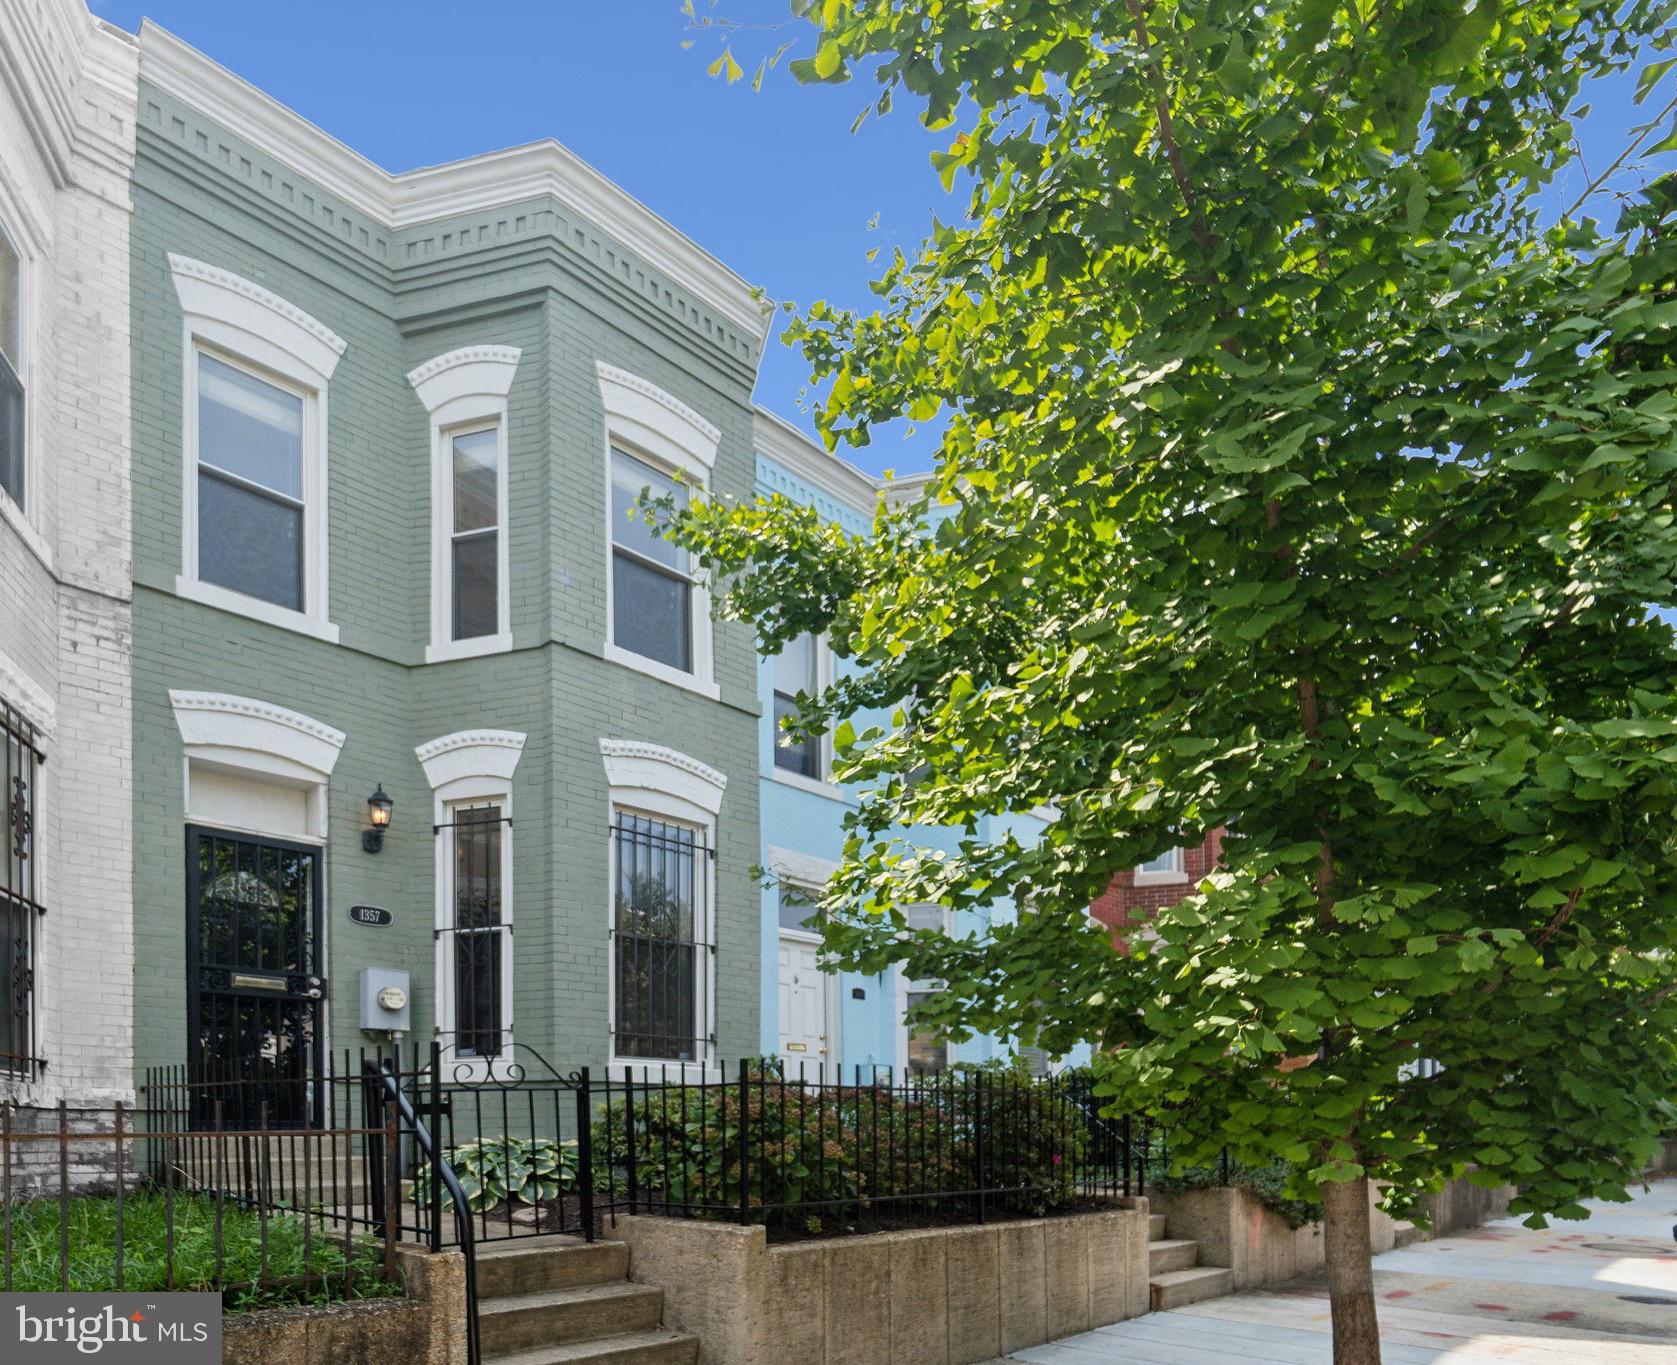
[[813, 785], [209, 595], [13, 516], [1161, 878], [688, 682], [474, 648]]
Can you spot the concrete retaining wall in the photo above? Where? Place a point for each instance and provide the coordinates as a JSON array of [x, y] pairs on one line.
[[947, 1294], [428, 1327], [1235, 1231]]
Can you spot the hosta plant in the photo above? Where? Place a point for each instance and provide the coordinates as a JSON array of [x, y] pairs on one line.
[[506, 1170]]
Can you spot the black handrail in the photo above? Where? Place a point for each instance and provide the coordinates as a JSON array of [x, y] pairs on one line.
[[442, 1176]]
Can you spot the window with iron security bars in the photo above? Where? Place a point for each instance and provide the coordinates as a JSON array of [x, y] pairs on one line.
[[477, 953], [20, 906], [663, 961]]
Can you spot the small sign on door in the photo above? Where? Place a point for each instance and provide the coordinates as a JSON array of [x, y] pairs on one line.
[[371, 914]]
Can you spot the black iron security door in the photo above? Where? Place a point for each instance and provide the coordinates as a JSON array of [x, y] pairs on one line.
[[254, 980]]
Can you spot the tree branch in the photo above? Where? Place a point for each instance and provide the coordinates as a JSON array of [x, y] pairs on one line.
[[1167, 132], [1558, 920]]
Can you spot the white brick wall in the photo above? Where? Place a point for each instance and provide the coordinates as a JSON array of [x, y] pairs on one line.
[[67, 103]]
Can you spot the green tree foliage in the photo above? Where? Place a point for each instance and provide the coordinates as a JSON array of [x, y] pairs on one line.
[[1298, 477]]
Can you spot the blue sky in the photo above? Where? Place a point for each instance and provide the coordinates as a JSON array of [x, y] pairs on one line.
[[772, 183]]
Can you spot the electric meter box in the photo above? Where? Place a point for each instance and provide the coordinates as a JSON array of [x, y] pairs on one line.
[[386, 999]]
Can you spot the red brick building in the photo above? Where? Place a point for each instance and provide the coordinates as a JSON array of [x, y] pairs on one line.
[[1134, 896]]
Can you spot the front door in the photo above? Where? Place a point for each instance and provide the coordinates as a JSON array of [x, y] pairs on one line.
[[254, 980], [803, 1006]]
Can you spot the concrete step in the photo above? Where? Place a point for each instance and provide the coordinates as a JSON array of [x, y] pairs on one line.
[[660, 1347], [1175, 1288], [529, 1266], [557, 1317], [1155, 1226], [1163, 1255]]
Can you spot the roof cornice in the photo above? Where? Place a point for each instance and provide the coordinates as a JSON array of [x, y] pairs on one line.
[[476, 183], [51, 48], [778, 440]]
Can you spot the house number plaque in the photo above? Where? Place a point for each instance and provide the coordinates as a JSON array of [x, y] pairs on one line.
[[371, 914]]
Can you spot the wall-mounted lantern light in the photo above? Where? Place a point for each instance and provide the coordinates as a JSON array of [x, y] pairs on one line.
[[379, 807]]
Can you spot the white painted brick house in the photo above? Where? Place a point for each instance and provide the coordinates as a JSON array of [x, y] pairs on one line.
[[67, 95]]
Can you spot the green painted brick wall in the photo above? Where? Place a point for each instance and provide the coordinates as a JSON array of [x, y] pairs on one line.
[[526, 276]]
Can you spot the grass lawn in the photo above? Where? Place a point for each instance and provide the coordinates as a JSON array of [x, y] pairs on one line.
[[92, 1226]]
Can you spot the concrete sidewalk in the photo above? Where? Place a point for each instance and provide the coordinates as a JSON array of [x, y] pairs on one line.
[[1603, 1290]]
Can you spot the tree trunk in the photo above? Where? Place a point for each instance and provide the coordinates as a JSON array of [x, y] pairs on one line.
[[1356, 1332]]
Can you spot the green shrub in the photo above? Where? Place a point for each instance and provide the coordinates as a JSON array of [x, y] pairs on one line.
[[686, 1146], [1268, 1183], [505, 1170], [846, 1150], [146, 1260]]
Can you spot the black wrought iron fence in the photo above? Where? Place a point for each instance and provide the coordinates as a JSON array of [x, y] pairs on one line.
[[815, 1152], [422, 1145], [133, 1198]]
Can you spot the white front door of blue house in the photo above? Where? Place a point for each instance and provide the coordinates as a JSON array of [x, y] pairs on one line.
[[803, 1005]]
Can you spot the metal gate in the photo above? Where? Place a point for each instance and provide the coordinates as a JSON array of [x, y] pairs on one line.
[[254, 980]]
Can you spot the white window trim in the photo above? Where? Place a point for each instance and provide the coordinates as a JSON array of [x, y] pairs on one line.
[[907, 985], [253, 738], [465, 390], [22, 519], [471, 767], [245, 325], [1168, 877], [817, 786], [651, 780], [653, 425]]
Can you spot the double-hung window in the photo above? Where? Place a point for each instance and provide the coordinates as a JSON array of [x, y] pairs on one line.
[[20, 907], [660, 916], [253, 535], [475, 535], [657, 617], [926, 1048], [252, 509], [470, 773], [651, 577], [796, 671], [12, 424], [465, 394], [480, 958]]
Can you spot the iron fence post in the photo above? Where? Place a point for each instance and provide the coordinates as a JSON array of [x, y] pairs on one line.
[[372, 1121], [64, 1196], [392, 1191], [628, 1133], [585, 1155], [745, 1146], [978, 1141], [435, 1155]]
